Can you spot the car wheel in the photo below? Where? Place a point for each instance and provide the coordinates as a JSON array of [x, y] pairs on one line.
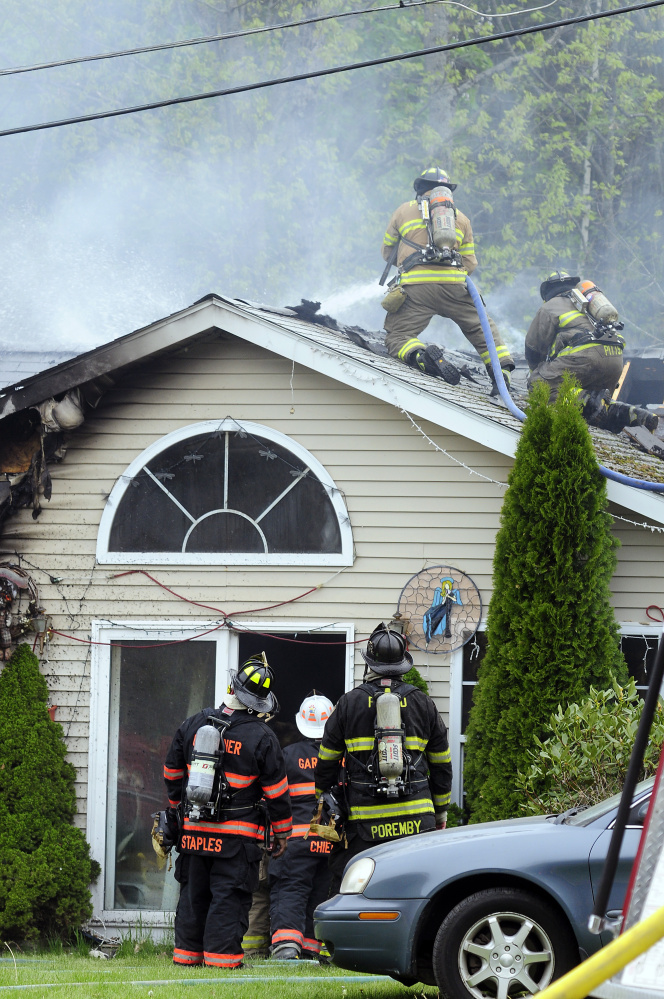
[[501, 943]]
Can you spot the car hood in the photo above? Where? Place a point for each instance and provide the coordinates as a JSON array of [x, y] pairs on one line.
[[417, 866]]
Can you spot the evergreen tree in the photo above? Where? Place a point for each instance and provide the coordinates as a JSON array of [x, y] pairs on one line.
[[551, 633], [46, 867]]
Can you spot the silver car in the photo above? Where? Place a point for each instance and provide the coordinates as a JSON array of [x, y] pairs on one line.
[[488, 911]]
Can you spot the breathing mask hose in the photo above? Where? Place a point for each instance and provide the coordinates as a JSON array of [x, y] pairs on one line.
[[608, 473]]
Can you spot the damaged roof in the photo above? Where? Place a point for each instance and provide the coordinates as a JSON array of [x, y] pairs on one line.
[[350, 355]]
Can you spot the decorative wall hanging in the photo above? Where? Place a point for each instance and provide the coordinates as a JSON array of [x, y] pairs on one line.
[[440, 609]]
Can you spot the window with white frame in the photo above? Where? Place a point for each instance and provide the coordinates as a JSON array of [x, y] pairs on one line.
[[637, 642], [146, 679], [228, 493]]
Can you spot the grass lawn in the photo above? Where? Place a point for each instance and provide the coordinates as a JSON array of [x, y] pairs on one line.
[[77, 976]]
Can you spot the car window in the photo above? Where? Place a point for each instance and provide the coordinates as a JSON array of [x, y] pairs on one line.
[[589, 815]]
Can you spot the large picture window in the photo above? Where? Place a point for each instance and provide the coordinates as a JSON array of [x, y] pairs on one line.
[[231, 493]]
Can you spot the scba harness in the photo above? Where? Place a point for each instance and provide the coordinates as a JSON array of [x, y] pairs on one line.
[[391, 769], [601, 331]]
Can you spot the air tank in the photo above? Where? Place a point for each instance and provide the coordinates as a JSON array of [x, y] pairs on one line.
[[390, 744], [599, 307], [443, 219], [203, 762]]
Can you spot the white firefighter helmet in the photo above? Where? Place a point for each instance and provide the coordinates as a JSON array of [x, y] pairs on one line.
[[314, 712]]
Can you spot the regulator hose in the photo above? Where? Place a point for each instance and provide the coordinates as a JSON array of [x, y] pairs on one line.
[[627, 480]]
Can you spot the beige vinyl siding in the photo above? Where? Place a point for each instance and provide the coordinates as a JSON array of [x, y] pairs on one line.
[[410, 507]]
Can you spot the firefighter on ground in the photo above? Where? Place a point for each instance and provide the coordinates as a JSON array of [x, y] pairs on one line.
[[430, 282], [577, 330], [299, 878], [219, 853], [379, 809]]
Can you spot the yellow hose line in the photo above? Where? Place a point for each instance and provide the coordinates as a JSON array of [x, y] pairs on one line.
[[579, 982]]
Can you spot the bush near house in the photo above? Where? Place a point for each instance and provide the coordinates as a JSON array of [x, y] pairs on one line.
[[45, 865], [584, 755], [551, 632]]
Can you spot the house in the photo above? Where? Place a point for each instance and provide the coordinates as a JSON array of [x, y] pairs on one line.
[[234, 478]]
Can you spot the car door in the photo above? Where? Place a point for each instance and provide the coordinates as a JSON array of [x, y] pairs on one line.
[[628, 850]]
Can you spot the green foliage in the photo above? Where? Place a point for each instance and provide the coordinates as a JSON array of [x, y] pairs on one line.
[[45, 865], [551, 633], [584, 754], [415, 677], [455, 816]]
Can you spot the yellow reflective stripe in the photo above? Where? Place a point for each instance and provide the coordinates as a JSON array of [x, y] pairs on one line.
[[330, 754], [443, 275], [422, 807], [414, 225], [581, 346], [389, 240], [501, 351], [444, 757], [357, 745], [409, 345], [440, 800], [567, 317], [415, 742]]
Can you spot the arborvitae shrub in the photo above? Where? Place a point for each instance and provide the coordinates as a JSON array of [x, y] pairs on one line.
[[414, 677], [45, 865], [586, 750], [551, 633]]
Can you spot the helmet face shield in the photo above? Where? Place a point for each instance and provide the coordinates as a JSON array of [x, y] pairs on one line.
[[252, 684], [386, 652]]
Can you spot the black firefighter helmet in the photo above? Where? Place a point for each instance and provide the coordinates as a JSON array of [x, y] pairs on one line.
[[433, 176], [386, 652], [252, 685], [557, 283]]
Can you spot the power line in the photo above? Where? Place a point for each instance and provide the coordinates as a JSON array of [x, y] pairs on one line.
[[14, 71], [382, 61]]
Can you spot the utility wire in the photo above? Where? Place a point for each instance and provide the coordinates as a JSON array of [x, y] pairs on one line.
[[206, 40], [382, 61]]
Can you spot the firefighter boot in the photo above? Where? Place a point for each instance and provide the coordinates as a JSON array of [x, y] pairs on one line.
[[286, 952], [600, 411], [432, 361], [494, 385]]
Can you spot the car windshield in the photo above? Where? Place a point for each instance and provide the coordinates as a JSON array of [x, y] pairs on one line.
[[588, 815]]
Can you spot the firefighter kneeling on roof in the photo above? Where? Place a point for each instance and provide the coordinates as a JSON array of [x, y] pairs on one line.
[[398, 771], [221, 763], [298, 879], [577, 331]]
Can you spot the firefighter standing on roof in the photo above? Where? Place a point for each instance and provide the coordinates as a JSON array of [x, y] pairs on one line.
[[219, 853], [377, 813], [563, 338], [433, 286], [299, 879]]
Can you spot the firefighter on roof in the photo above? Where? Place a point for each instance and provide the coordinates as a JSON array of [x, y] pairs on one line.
[[221, 763], [299, 879], [397, 757], [577, 330], [431, 243]]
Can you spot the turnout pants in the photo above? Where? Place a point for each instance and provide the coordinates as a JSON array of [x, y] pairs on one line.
[[452, 301], [594, 369], [256, 941], [298, 884], [213, 911]]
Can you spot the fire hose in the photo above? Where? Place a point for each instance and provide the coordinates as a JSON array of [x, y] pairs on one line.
[[627, 480]]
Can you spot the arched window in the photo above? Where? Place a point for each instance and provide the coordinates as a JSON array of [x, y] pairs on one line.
[[229, 493]]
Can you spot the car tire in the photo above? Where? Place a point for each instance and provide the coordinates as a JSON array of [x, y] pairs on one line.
[[499, 943]]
